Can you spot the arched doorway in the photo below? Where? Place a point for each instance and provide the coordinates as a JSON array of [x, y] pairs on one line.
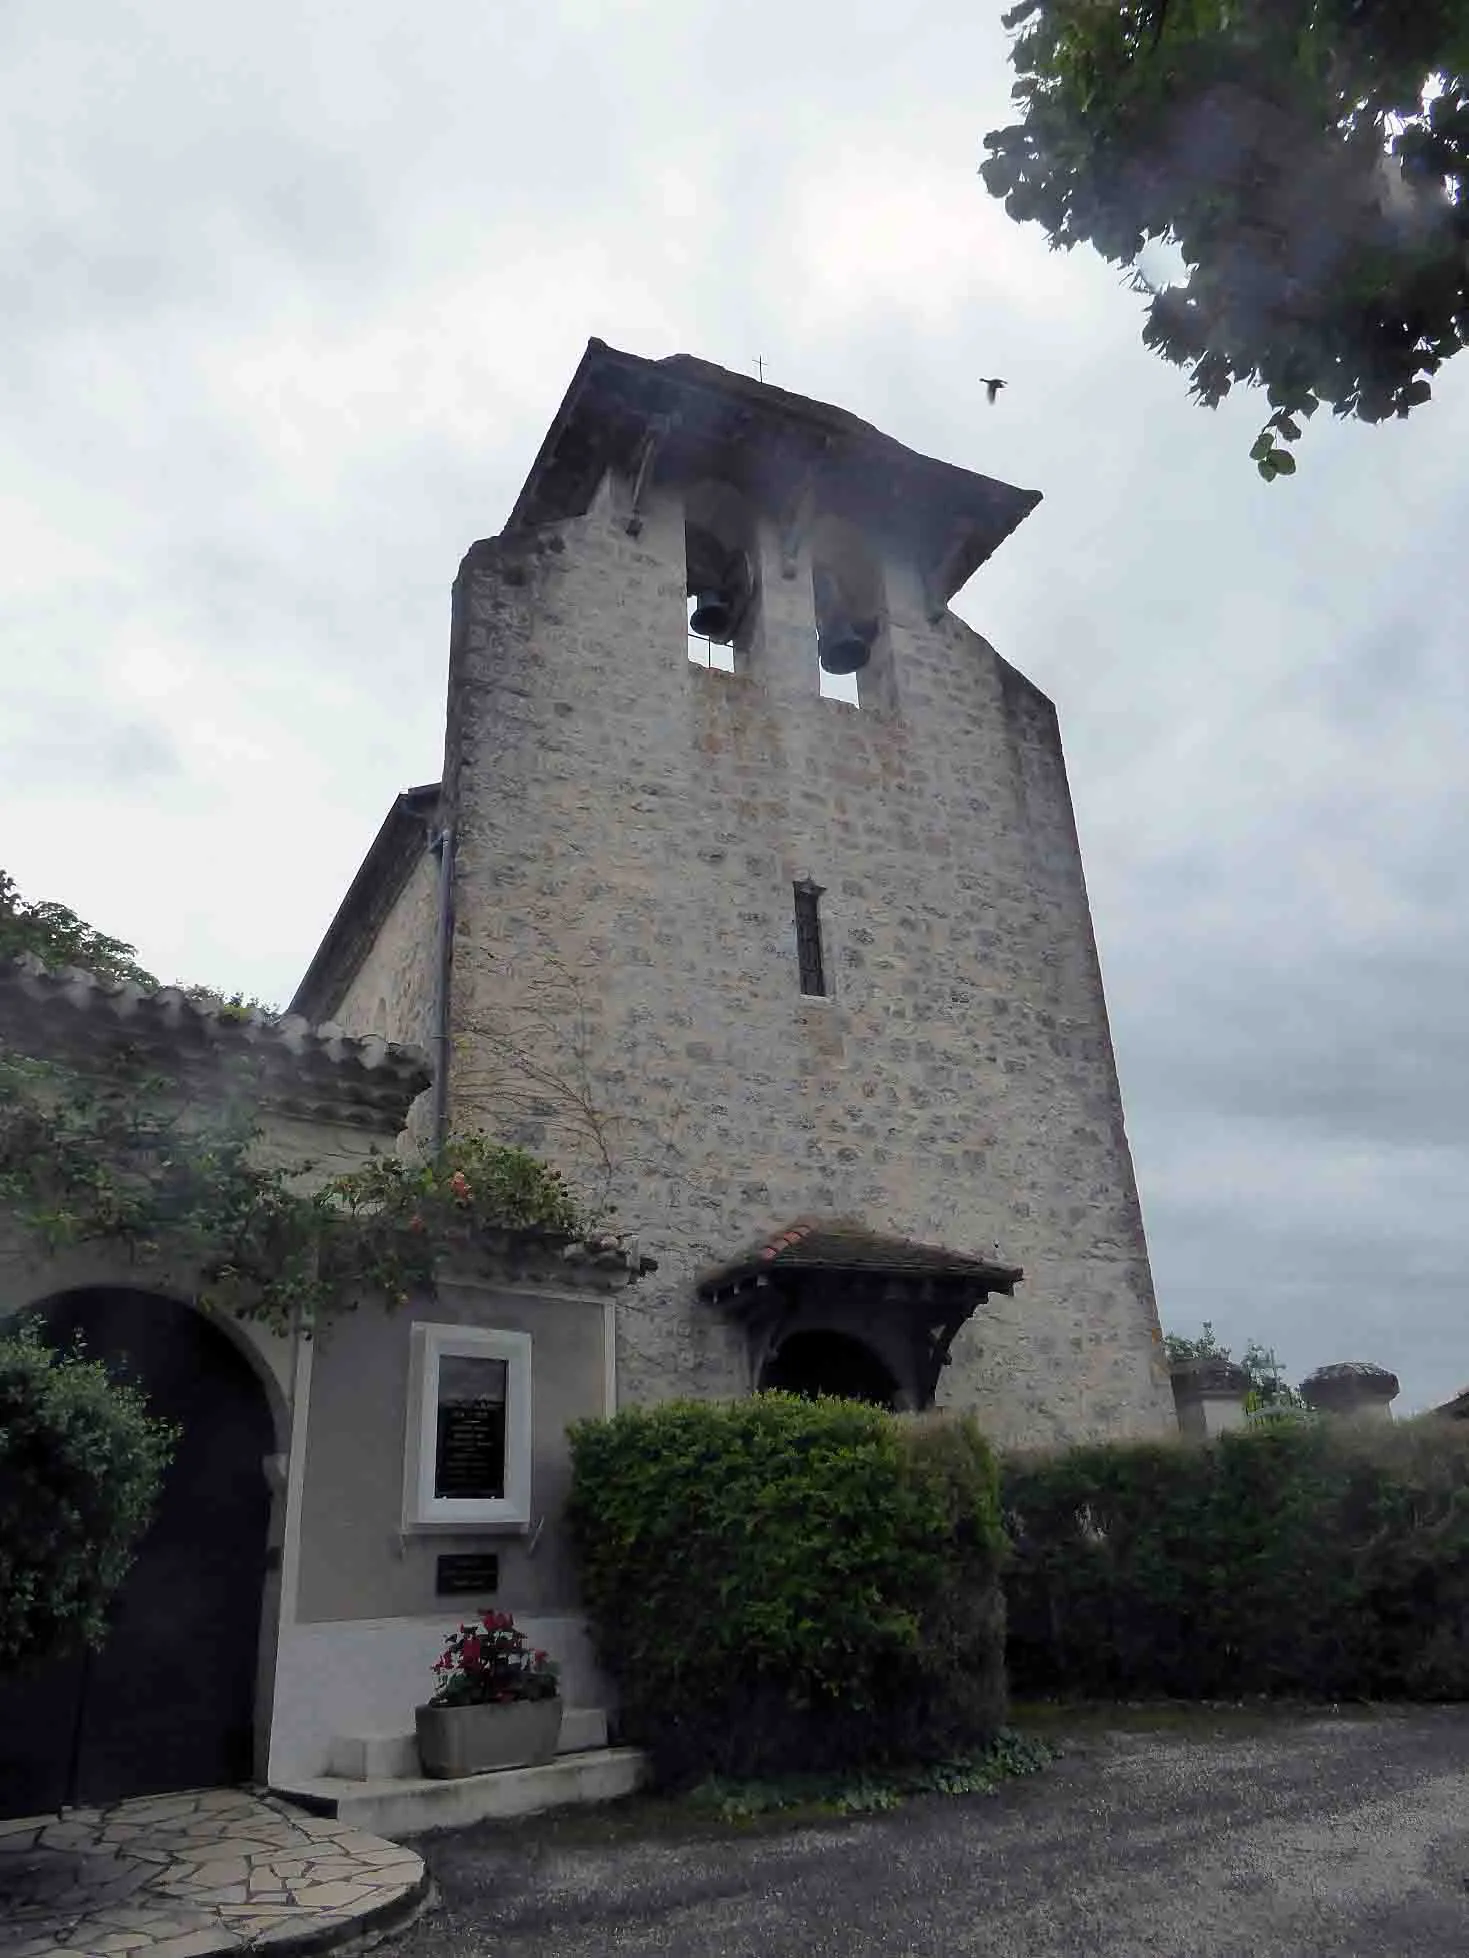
[[168, 1702], [813, 1363]]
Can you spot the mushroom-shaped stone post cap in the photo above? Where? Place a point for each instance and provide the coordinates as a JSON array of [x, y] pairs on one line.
[[1350, 1387], [1209, 1377]]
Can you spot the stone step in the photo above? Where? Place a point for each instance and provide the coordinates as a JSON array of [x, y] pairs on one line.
[[400, 1806], [391, 1757]]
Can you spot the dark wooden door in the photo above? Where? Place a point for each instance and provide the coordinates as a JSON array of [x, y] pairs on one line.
[[168, 1702]]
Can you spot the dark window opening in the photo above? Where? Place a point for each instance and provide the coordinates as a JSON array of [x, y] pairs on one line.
[[808, 938]]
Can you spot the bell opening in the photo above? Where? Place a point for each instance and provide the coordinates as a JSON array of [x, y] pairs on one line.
[[720, 575]]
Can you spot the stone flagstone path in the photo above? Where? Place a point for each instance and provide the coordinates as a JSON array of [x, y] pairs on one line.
[[179, 1876]]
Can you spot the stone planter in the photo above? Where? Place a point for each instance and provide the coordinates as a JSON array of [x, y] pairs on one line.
[[460, 1740]]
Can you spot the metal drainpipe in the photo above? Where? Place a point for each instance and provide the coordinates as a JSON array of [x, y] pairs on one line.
[[443, 848]]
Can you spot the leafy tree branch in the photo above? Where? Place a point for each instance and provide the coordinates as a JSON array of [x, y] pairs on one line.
[[1305, 158]]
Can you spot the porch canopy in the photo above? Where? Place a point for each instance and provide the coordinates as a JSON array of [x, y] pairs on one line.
[[904, 1301]]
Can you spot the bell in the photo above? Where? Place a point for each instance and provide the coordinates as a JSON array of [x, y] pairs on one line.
[[712, 616], [844, 645]]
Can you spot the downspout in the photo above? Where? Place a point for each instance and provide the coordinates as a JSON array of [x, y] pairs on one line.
[[443, 848]]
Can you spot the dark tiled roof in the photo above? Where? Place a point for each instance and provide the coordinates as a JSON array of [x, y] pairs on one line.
[[769, 441], [1458, 1408], [841, 1246], [316, 1073], [601, 1261], [371, 895]]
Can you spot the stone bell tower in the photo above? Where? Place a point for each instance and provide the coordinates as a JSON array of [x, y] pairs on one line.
[[768, 916]]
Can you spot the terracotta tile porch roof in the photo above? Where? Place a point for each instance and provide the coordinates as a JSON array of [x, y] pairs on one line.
[[839, 1245], [314, 1072]]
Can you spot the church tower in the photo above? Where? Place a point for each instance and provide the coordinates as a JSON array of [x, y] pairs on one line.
[[763, 916]]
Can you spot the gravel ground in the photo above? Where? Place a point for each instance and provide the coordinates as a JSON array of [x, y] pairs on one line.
[[1203, 1838]]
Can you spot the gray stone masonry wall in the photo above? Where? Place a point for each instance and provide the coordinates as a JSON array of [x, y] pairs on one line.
[[625, 978], [392, 991]]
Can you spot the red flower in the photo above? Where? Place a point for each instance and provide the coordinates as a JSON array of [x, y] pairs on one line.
[[469, 1652], [540, 1658], [415, 1222]]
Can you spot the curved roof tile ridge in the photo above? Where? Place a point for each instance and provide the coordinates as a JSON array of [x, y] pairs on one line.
[[323, 1071]]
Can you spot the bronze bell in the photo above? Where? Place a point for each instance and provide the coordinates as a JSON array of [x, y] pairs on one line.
[[845, 645], [712, 616]]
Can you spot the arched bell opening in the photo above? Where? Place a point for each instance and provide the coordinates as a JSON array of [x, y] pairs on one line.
[[850, 605], [816, 1363], [720, 575]]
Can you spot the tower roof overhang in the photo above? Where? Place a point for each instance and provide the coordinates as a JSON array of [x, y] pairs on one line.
[[779, 447]]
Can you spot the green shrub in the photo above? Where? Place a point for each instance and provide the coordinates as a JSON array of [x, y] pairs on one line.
[[781, 1584], [1313, 1559], [81, 1466]]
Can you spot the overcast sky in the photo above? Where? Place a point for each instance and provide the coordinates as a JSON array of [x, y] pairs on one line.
[[288, 298]]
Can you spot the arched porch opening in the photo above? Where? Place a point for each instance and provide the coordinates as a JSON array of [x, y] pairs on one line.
[[815, 1363]]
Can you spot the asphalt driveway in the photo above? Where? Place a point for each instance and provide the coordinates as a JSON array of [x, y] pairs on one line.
[[1323, 1837]]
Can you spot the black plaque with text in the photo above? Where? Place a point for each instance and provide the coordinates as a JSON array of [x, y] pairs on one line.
[[472, 1571], [469, 1461]]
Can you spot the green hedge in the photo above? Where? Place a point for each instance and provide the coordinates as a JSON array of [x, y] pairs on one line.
[[81, 1467], [1297, 1558], [783, 1584]]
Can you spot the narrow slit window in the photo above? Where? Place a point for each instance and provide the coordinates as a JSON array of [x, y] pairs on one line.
[[808, 938]]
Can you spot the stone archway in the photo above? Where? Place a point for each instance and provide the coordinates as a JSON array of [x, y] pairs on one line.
[[168, 1702], [812, 1363]]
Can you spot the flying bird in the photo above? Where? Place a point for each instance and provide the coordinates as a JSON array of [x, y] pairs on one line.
[[992, 388]]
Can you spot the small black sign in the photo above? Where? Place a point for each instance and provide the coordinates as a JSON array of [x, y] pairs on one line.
[[475, 1571]]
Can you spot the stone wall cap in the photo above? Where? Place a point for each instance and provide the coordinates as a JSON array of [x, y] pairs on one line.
[[1209, 1374]]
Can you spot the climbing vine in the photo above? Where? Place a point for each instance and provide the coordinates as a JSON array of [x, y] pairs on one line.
[[127, 1160]]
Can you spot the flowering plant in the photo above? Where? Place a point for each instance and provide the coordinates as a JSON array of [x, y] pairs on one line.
[[490, 1663]]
